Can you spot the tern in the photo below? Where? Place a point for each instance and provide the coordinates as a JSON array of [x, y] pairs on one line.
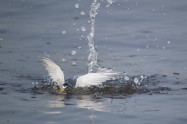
[[87, 80]]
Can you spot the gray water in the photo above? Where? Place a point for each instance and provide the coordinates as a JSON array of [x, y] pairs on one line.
[[146, 37]]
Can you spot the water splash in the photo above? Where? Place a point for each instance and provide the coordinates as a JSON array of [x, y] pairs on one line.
[[109, 3], [77, 5], [92, 57]]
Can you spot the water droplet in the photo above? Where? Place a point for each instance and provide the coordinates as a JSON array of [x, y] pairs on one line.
[[138, 50], [155, 39], [63, 60], [82, 13], [77, 5], [137, 2], [79, 47], [110, 1], [73, 52], [136, 81], [73, 63], [82, 36], [126, 78], [83, 28], [163, 47], [142, 77], [169, 42], [63, 32], [1, 38]]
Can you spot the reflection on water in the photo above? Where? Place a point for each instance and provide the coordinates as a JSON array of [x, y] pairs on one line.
[[81, 101], [93, 104], [52, 112], [57, 102]]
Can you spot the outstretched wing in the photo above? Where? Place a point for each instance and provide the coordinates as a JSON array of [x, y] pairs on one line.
[[91, 79], [54, 71]]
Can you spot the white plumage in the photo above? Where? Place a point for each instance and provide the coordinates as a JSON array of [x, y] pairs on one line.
[[87, 80], [54, 71], [91, 79]]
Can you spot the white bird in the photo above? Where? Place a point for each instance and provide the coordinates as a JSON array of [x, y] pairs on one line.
[[87, 80]]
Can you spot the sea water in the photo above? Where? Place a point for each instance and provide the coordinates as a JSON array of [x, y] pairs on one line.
[[138, 37]]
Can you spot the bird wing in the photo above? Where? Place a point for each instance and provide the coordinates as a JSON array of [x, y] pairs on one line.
[[54, 71], [91, 79]]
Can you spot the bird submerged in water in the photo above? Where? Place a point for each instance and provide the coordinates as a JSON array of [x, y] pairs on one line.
[[87, 80]]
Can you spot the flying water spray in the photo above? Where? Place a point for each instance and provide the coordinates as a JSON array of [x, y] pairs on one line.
[[92, 57]]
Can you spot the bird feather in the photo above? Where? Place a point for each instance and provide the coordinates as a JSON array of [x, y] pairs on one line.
[[54, 71]]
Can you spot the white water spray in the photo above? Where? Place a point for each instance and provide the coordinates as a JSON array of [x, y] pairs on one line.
[[92, 57]]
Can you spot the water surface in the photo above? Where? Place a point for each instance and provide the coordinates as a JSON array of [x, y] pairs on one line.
[[139, 37]]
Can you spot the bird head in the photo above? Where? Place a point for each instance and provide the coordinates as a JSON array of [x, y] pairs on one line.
[[63, 88]]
